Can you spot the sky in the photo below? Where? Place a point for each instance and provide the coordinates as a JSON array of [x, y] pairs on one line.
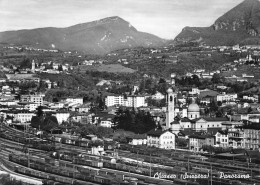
[[164, 18]]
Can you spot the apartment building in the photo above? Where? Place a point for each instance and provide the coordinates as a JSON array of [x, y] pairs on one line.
[[135, 101], [38, 99], [226, 97], [113, 100], [23, 116], [128, 101], [252, 138]]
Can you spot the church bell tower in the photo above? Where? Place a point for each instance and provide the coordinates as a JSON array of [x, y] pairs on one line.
[[33, 66], [170, 113]]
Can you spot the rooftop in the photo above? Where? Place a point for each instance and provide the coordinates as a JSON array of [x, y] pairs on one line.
[[156, 132]]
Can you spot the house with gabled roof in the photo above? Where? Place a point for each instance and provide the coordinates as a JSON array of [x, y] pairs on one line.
[[83, 108], [137, 139], [184, 134], [198, 140], [158, 96], [221, 137], [161, 139]]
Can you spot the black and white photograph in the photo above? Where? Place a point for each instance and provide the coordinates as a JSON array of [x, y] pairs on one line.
[[129, 92]]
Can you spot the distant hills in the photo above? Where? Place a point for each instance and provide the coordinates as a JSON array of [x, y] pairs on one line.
[[97, 37], [240, 25]]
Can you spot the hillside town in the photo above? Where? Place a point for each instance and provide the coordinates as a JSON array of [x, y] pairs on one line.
[[181, 113], [187, 113], [103, 103]]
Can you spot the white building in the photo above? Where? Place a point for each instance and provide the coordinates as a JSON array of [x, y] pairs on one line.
[[135, 101], [31, 106], [129, 101], [221, 139], [8, 102], [57, 105], [158, 96], [62, 116], [161, 139], [38, 99], [226, 97], [75, 100], [247, 76], [138, 139], [253, 98], [106, 122], [88, 62], [194, 91], [23, 117], [112, 100]]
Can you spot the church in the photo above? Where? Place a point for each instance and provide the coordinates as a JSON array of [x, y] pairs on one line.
[[187, 118]]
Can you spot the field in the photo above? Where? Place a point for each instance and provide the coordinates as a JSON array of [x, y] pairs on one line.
[[110, 68]]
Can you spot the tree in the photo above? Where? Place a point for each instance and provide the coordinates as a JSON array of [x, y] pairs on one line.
[[162, 80], [130, 120], [25, 86], [42, 86], [49, 123], [195, 80], [101, 132], [43, 122], [219, 103], [39, 111], [60, 68], [26, 63], [213, 106], [162, 88], [182, 142], [249, 110], [216, 78], [164, 57]]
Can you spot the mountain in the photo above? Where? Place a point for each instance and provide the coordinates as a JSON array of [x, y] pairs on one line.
[[240, 25], [97, 37]]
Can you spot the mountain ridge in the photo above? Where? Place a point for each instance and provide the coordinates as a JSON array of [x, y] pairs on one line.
[[240, 25], [96, 37]]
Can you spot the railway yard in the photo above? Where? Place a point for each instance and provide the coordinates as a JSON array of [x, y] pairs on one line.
[[42, 160]]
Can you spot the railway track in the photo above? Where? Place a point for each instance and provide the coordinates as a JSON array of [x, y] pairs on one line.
[[187, 161], [219, 165], [199, 164], [18, 176], [13, 144]]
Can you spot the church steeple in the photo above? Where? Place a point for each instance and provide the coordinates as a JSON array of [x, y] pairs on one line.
[[170, 112], [33, 66]]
